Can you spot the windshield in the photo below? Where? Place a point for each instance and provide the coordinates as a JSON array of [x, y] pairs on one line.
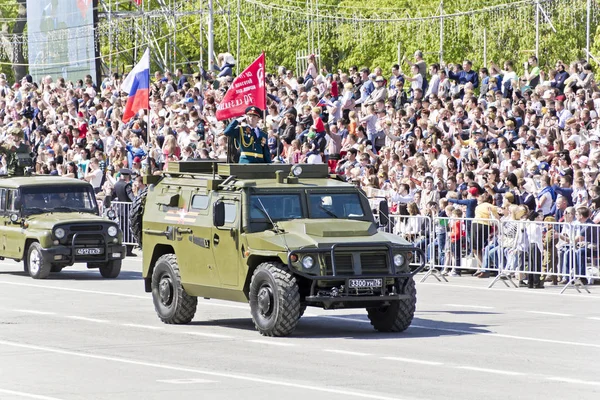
[[70, 198], [278, 207], [335, 205]]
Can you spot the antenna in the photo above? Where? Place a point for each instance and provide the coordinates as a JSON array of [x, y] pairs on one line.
[[273, 223]]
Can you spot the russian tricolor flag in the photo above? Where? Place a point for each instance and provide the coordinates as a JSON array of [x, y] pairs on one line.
[[136, 85]]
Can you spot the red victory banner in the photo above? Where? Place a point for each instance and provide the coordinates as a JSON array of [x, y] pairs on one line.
[[248, 89]]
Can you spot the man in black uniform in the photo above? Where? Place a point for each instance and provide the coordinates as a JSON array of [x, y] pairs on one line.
[[124, 193]]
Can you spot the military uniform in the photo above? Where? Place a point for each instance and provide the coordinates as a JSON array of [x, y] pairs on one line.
[[15, 167], [251, 142]]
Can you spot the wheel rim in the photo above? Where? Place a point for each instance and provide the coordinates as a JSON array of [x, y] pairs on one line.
[[165, 290], [35, 262], [265, 301]]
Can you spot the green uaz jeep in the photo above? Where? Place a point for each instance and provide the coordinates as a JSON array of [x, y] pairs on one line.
[[279, 237], [52, 222]]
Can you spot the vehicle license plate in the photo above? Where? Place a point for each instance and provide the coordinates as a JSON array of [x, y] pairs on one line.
[[364, 283], [88, 251]]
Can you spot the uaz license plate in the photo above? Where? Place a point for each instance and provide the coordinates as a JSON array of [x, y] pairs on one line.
[[364, 283], [88, 251]]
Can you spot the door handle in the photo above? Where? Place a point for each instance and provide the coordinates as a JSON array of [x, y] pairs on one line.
[[183, 231], [216, 239]]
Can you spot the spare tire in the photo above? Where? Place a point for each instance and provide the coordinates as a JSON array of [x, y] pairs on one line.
[[136, 215]]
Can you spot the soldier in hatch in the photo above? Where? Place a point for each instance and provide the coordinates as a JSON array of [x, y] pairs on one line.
[[17, 153], [249, 139]]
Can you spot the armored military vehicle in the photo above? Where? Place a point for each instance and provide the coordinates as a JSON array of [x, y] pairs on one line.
[[279, 237], [53, 222]]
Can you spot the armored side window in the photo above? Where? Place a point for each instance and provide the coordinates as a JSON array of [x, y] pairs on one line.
[[12, 198], [2, 199], [199, 202], [230, 212]]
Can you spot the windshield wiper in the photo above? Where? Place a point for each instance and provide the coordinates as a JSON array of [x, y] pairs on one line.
[[264, 212], [329, 212], [66, 209], [35, 210]]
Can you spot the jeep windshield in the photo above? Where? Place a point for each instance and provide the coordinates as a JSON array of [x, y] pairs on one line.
[[68, 198], [284, 206]]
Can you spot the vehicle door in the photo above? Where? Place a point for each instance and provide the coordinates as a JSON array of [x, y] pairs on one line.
[[193, 235], [15, 236], [226, 241]]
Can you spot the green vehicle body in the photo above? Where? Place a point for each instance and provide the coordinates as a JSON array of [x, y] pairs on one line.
[[24, 225], [206, 215]]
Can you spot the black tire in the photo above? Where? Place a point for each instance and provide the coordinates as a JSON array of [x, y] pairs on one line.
[[172, 304], [110, 269], [34, 262], [274, 300], [56, 268], [302, 309], [397, 316], [136, 215]]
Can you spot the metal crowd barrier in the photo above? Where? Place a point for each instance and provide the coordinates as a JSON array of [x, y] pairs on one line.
[[122, 211], [561, 253]]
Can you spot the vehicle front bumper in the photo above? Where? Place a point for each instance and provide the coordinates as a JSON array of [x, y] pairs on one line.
[[112, 251], [344, 297]]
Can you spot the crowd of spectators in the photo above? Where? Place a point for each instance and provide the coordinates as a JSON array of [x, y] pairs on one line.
[[433, 139]]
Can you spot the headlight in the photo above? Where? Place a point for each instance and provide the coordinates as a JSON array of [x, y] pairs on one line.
[[308, 262], [112, 231], [296, 170], [111, 214], [398, 260], [59, 233]]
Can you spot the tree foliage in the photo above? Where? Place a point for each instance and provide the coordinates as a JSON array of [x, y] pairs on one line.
[[343, 32]]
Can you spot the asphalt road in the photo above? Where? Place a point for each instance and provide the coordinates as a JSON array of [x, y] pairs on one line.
[[78, 336]]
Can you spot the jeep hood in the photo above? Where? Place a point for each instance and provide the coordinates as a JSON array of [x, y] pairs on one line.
[[50, 220], [301, 233]]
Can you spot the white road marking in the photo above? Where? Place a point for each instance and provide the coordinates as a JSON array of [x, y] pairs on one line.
[[184, 381], [36, 312], [491, 371], [210, 335], [492, 334], [594, 318], [152, 327], [200, 372], [574, 381], [27, 395], [469, 306], [78, 318], [350, 353], [75, 290], [549, 313], [411, 360], [272, 343]]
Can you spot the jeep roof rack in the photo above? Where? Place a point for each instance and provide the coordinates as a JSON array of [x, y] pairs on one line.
[[267, 171]]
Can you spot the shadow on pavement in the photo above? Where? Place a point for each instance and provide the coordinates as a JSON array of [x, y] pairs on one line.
[[235, 323], [356, 326], [90, 275], [455, 312]]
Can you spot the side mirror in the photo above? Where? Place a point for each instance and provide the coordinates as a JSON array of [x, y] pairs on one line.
[[384, 213], [14, 218], [219, 213]]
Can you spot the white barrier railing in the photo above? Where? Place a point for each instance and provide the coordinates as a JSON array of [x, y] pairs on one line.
[[514, 250], [122, 211]]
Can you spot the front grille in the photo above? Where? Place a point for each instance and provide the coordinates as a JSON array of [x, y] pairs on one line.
[[374, 264], [87, 240], [85, 228], [343, 264], [370, 264]]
